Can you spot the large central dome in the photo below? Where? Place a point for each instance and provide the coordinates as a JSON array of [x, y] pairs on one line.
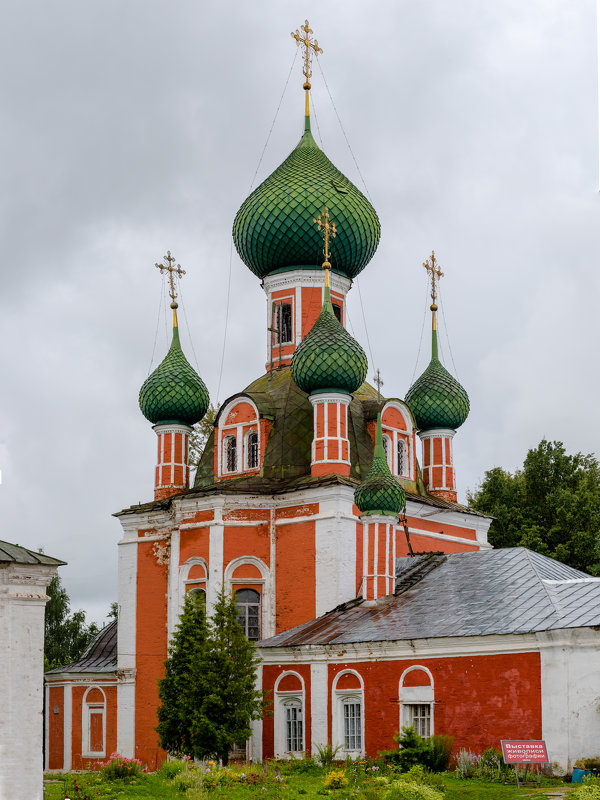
[[274, 230]]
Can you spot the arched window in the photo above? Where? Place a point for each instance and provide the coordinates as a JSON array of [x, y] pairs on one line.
[[252, 449], [401, 456], [348, 713], [94, 722], [230, 447], [248, 606], [387, 449], [416, 696], [352, 723]]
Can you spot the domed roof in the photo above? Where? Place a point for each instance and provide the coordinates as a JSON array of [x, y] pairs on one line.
[[380, 492], [328, 358], [174, 392], [436, 398], [274, 229]]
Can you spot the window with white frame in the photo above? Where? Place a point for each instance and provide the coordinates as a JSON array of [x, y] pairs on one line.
[[387, 449], [252, 450], [352, 723], [282, 323], [248, 607], [230, 453], [418, 715], [294, 728], [401, 459]]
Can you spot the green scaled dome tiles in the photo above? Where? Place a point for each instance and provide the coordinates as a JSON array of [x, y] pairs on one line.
[[328, 358], [380, 492], [174, 392], [274, 228], [437, 399]]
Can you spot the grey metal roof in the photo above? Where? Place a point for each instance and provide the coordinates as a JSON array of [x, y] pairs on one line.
[[14, 553], [479, 593], [100, 655]]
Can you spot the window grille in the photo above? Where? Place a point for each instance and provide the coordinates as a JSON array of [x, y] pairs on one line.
[[337, 310], [419, 716], [402, 470], [352, 726], [293, 729], [283, 323], [248, 606], [231, 454], [252, 450]]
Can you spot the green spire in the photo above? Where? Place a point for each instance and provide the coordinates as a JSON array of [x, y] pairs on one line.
[[273, 230], [174, 392], [380, 492], [328, 358]]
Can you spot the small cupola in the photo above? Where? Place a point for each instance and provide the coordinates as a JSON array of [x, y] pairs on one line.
[[380, 493]]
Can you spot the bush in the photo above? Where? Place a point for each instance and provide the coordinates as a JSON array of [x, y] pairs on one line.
[[118, 766], [587, 763], [335, 779], [172, 768], [413, 749], [587, 791], [418, 774], [466, 764], [302, 766], [409, 790], [326, 754], [441, 753]]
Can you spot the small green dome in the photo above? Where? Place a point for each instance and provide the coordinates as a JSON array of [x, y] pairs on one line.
[[380, 492], [174, 392], [328, 358], [436, 398], [274, 229]]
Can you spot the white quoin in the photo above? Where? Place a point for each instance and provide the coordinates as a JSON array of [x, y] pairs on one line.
[[331, 446], [379, 556], [172, 465]]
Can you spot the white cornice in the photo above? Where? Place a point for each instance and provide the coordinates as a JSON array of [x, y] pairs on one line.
[[305, 277]]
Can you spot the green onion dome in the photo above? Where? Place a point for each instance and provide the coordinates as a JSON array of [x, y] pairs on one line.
[[436, 398], [380, 492], [274, 230], [328, 358], [174, 392]]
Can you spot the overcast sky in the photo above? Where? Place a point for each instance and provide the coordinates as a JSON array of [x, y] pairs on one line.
[[129, 128]]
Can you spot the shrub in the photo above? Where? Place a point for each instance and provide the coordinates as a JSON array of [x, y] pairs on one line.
[[418, 774], [119, 766], [441, 753], [588, 763], [302, 766], [409, 790], [587, 791], [335, 779], [326, 754], [490, 764], [466, 764], [172, 768], [412, 749]]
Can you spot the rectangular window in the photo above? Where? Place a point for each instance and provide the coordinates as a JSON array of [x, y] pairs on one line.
[[293, 729], [337, 310], [419, 716], [282, 323], [352, 727]]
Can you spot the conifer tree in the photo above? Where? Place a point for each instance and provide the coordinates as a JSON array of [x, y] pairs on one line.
[[208, 695], [182, 687]]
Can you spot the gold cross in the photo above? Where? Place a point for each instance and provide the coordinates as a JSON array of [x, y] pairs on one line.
[[329, 230], [168, 267], [433, 269], [378, 381], [308, 44]]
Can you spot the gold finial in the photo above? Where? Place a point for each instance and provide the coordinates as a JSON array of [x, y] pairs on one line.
[[309, 45], [168, 267], [433, 269], [378, 381], [328, 229]]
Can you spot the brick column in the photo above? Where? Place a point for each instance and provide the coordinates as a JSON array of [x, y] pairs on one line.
[[172, 468]]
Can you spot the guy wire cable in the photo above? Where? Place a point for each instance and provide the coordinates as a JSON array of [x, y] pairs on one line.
[[160, 302], [447, 334], [412, 380]]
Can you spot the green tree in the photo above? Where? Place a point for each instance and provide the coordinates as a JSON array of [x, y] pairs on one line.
[[208, 695], [66, 634], [551, 505], [201, 433]]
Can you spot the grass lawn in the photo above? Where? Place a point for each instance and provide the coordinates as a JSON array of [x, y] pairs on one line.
[[292, 785]]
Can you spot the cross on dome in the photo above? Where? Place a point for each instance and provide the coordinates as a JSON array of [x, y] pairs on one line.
[[168, 267], [378, 381], [310, 46], [328, 229], [433, 269]]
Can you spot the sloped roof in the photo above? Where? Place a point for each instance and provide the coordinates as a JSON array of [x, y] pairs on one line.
[[14, 553], [478, 593], [99, 656]]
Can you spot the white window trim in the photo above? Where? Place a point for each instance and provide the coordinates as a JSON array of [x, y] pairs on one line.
[[86, 712], [339, 698], [264, 582], [416, 695], [240, 432], [282, 698], [407, 435], [247, 466]]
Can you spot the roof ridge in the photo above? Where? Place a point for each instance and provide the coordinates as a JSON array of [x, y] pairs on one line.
[[416, 572]]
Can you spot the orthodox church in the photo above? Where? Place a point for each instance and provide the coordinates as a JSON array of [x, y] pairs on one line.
[[331, 514]]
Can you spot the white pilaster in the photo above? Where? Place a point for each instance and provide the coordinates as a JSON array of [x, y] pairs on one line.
[[335, 551], [126, 644], [215, 558], [318, 705]]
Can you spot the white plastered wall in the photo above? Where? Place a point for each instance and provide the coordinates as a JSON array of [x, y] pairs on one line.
[[22, 600], [126, 647], [335, 550]]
